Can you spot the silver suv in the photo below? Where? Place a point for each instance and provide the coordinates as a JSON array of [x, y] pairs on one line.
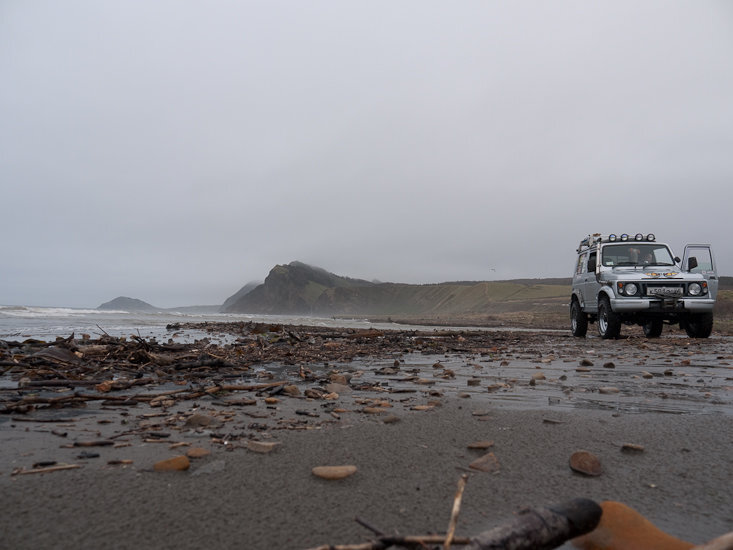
[[634, 280]]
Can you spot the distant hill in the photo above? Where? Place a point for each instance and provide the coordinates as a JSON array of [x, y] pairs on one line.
[[133, 305], [298, 288], [123, 303]]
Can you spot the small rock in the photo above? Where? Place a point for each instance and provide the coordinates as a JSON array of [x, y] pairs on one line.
[[262, 447], [271, 400], [586, 363], [609, 365], [175, 464], [646, 374], [338, 388], [485, 444], [422, 407], [373, 410], [334, 472], [538, 376], [197, 452], [391, 419], [608, 389], [291, 390], [486, 463], [632, 448], [474, 382], [585, 463], [201, 420], [339, 379]]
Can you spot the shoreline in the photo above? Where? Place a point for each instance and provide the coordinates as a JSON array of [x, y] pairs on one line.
[[401, 406], [407, 474]]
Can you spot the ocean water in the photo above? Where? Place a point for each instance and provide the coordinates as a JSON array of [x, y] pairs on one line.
[[47, 323]]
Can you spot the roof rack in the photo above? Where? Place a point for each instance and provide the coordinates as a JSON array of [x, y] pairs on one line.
[[591, 240]]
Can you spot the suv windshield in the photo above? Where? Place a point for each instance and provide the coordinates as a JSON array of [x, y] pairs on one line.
[[636, 254]]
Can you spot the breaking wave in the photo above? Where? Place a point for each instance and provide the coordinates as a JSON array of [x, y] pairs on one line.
[[42, 312]]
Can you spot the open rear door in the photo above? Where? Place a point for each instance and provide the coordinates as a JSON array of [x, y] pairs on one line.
[[705, 264]]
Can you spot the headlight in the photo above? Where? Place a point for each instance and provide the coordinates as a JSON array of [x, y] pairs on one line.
[[694, 289], [631, 289]]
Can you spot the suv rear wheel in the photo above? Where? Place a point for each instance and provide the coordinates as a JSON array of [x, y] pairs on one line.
[[578, 319], [653, 328], [609, 323], [698, 325]]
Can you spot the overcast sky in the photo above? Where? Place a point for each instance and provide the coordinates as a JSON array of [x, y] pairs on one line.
[[172, 151]]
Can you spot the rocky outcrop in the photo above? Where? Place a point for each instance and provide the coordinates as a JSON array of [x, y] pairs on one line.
[[123, 303], [300, 289], [294, 288]]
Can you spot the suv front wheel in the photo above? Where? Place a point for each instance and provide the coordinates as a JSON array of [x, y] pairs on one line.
[[609, 323], [698, 325], [578, 319]]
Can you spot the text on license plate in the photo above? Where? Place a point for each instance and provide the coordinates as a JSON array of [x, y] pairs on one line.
[[664, 291]]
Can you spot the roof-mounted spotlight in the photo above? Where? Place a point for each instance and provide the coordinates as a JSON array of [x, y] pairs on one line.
[[624, 237], [612, 238], [650, 237], [638, 237]]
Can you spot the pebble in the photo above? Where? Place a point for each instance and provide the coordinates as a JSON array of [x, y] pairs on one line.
[[608, 389], [197, 452], [486, 463], [174, 464], [262, 447], [334, 472], [585, 463], [485, 444], [201, 420], [291, 390]]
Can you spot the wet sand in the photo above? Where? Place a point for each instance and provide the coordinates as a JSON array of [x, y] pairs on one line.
[[406, 429]]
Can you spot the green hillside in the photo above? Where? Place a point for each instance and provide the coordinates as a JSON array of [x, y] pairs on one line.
[[297, 288]]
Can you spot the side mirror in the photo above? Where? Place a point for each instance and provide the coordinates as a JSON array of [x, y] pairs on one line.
[[691, 263]]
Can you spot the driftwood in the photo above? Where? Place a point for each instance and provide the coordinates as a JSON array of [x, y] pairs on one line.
[[455, 511], [541, 528], [47, 470]]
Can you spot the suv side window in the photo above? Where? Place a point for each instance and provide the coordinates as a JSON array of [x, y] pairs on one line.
[[579, 267], [592, 262]]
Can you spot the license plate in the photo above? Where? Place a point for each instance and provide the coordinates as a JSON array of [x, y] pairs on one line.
[[664, 291]]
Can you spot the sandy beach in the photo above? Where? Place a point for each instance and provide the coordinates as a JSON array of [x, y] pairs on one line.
[[403, 408]]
